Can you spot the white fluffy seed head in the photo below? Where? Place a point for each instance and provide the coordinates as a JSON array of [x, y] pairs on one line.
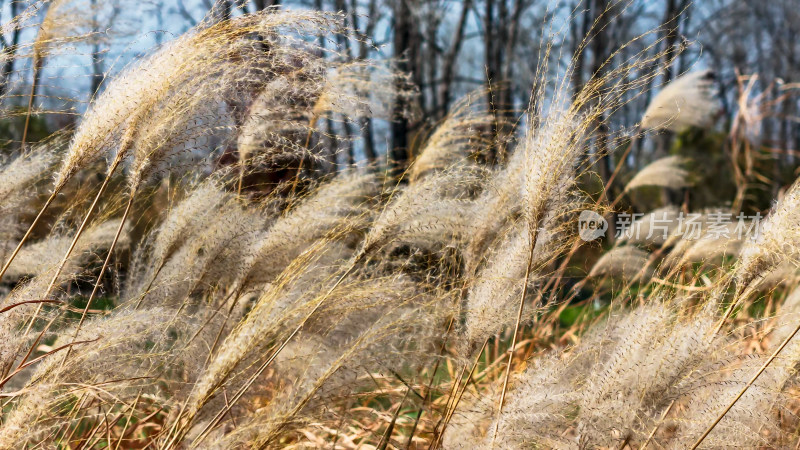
[[688, 101], [668, 172]]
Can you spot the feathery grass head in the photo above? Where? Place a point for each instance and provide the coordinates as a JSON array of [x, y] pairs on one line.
[[18, 175], [776, 240], [18, 187], [688, 101], [668, 172], [653, 228], [176, 94], [464, 135], [625, 262]]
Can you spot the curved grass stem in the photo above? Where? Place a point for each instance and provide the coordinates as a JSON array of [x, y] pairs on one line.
[[28, 233], [102, 269]]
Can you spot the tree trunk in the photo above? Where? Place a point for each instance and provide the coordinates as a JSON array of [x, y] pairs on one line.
[[449, 63], [404, 49], [600, 52], [663, 140], [9, 51], [367, 133]]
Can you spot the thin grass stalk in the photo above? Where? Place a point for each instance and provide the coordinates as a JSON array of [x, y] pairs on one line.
[[514, 337], [28, 233], [127, 140], [236, 297], [91, 435], [387, 436], [73, 414], [63, 262], [181, 432], [449, 412], [102, 270], [37, 64], [124, 428], [450, 399], [655, 428], [620, 164], [74, 241], [241, 179], [746, 387], [429, 389], [150, 284], [743, 293]]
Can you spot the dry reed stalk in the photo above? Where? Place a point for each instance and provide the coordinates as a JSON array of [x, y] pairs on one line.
[[102, 271], [72, 245], [746, 387]]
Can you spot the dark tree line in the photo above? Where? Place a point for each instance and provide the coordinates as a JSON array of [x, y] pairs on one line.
[[453, 47]]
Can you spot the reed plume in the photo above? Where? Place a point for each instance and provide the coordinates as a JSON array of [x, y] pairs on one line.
[[688, 101], [774, 242], [668, 172]]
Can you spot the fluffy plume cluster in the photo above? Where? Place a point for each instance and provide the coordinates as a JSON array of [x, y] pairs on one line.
[[775, 242], [19, 180], [666, 172], [651, 375], [688, 101]]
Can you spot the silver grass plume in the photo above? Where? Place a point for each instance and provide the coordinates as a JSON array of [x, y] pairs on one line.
[[424, 214], [649, 340], [212, 257], [173, 84], [541, 174], [463, 135], [17, 312], [18, 175], [688, 101], [668, 172], [654, 367], [18, 179], [374, 335], [655, 228], [784, 275], [359, 89], [340, 205], [118, 342], [777, 240], [38, 257], [279, 118], [712, 250], [182, 222], [499, 205], [493, 296], [625, 262], [284, 302]]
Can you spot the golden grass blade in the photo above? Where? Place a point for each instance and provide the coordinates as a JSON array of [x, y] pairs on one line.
[[102, 269], [514, 337], [28, 233], [387, 436], [63, 262]]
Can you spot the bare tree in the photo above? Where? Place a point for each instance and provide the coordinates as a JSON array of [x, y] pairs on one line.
[[406, 49], [9, 49]]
